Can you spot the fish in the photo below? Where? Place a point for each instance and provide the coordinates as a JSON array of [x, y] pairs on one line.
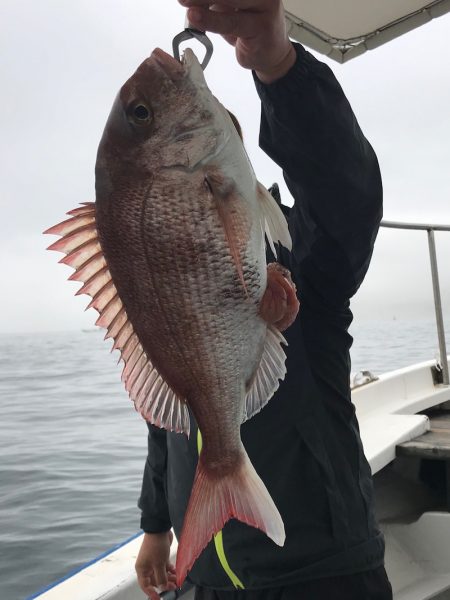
[[172, 254]]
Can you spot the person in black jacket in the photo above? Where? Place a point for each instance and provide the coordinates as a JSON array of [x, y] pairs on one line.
[[305, 444]]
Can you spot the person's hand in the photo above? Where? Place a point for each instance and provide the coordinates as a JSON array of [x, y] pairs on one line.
[[152, 566], [279, 305], [256, 28]]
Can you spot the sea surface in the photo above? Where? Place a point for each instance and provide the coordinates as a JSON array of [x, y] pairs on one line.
[[72, 448]]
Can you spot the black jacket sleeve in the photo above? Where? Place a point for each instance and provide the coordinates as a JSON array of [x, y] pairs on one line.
[[153, 501], [308, 128]]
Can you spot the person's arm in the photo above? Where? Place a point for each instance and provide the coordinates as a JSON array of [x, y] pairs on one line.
[[152, 501], [308, 128], [153, 567]]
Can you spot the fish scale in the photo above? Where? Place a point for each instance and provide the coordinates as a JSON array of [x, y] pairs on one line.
[[196, 296]]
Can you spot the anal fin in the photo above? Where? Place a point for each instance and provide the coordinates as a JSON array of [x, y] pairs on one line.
[[267, 378]]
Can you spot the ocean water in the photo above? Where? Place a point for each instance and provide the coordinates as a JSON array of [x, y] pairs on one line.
[[72, 448]]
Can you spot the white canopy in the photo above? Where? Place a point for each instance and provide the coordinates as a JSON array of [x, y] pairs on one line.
[[346, 28]]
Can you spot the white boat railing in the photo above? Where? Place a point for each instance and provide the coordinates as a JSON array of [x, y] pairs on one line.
[[430, 229]]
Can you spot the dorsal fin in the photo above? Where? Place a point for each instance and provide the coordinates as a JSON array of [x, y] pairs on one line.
[[271, 369], [152, 396]]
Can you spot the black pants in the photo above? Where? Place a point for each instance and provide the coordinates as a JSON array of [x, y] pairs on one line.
[[370, 585]]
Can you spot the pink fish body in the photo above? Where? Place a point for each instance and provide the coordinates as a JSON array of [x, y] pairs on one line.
[[173, 255]]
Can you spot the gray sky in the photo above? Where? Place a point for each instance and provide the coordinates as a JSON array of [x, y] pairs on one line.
[[61, 65]]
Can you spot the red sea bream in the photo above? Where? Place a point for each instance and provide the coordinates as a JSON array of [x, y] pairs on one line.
[[172, 253]]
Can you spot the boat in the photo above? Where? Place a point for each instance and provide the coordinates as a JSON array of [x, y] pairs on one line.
[[395, 412], [404, 415], [344, 30], [404, 418]]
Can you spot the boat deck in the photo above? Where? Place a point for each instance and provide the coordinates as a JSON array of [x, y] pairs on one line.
[[435, 443]]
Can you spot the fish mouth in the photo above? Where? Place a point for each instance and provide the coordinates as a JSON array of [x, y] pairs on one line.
[[170, 65], [188, 58]]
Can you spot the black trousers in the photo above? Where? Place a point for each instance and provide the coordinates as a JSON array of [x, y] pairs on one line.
[[370, 585]]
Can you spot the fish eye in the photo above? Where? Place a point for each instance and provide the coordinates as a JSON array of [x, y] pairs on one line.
[[140, 114]]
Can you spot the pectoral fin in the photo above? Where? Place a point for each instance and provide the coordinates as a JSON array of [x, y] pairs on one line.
[[224, 192], [275, 224]]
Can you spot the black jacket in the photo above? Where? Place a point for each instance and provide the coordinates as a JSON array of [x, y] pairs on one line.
[[305, 443]]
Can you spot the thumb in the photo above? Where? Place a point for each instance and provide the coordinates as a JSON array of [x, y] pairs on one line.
[[160, 575]]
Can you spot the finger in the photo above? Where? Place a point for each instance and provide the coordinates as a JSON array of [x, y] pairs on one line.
[[171, 568], [152, 594], [236, 24], [170, 586], [273, 304], [160, 575], [291, 310], [279, 305], [231, 39], [146, 586], [146, 580], [287, 320], [171, 576], [222, 8]]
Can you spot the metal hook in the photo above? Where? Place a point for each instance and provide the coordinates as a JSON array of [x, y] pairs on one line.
[[188, 34]]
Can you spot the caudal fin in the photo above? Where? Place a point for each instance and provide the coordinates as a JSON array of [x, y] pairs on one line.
[[240, 495]]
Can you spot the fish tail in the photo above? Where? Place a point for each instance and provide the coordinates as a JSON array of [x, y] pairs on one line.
[[214, 500]]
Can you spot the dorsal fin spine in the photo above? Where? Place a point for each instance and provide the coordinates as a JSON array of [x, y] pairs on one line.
[[71, 225], [129, 347], [131, 364], [82, 210], [95, 282], [142, 397], [109, 312], [136, 373], [84, 251], [159, 384], [116, 324], [141, 380], [121, 321], [77, 238], [130, 371], [123, 336], [108, 285], [103, 298]]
